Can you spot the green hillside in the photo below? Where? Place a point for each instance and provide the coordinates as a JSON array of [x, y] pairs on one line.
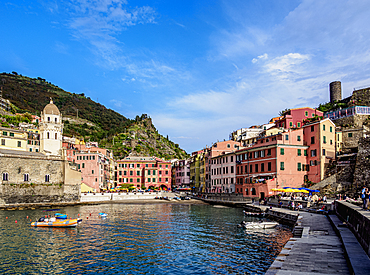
[[87, 119]]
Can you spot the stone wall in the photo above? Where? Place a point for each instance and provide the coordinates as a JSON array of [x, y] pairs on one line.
[[361, 174], [356, 221], [63, 184]]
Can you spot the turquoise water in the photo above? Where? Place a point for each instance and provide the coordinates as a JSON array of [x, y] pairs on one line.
[[138, 239]]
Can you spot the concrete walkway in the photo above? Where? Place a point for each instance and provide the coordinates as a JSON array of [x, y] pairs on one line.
[[318, 251]]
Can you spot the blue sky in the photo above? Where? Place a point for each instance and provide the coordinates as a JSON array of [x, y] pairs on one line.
[[200, 69]]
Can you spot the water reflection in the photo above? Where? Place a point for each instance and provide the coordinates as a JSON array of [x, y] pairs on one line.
[[138, 239]]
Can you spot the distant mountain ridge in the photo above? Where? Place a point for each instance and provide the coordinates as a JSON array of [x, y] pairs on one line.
[[86, 118]]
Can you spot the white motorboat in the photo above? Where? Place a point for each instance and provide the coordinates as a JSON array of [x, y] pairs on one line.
[[259, 225]]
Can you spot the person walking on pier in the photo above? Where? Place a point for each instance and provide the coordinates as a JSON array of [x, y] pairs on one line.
[[367, 194], [363, 197]]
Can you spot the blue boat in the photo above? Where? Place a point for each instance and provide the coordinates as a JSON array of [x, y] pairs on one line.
[[103, 214]]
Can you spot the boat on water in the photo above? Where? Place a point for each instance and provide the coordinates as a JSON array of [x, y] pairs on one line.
[[103, 214], [258, 225], [54, 222]]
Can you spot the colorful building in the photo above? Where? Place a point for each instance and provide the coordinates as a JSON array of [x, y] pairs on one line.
[[144, 172], [223, 173], [296, 118], [181, 173], [272, 162], [320, 137], [13, 139]]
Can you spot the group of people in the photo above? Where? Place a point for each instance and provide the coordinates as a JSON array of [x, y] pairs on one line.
[[365, 197]]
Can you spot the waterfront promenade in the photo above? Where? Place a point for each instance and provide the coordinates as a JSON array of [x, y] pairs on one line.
[[324, 246]]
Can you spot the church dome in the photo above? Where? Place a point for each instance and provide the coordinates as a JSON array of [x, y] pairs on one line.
[[51, 109]]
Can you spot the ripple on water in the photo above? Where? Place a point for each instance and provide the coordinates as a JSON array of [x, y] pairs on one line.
[[138, 239]]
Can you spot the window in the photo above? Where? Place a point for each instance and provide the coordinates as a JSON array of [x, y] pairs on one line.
[[124, 173], [153, 180], [298, 124], [349, 135], [263, 154], [56, 136], [281, 151], [232, 169], [92, 172], [148, 172], [131, 173], [290, 124], [313, 115], [323, 127], [305, 153], [269, 166], [331, 142], [306, 113], [313, 153], [231, 158], [48, 118], [312, 140], [48, 135], [26, 177], [47, 178], [281, 165], [299, 167], [11, 134], [298, 138], [138, 165], [286, 137], [250, 169], [138, 180], [19, 144], [131, 180], [323, 152], [137, 173], [83, 165], [312, 128], [56, 120], [262, 167], [228, 145], [3, 142], [256, 167], [5, 176], [5, 133], [324, 139], [269, 152], [299, 153], [331, 129]]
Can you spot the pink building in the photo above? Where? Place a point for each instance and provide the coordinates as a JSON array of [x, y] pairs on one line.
[[294, 118], [223, 173], [144, 172], [181, 173], [272, 162]]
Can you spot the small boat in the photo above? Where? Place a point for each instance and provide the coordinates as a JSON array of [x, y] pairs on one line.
[[103, 214], [61, 216], [259, 225], [53, 222], [254, 214]]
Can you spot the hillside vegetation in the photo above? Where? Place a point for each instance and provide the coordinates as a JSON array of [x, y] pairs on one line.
[[87, 119]]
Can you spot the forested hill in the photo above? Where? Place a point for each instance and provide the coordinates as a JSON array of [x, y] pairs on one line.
[[32, 94], [86, 118]]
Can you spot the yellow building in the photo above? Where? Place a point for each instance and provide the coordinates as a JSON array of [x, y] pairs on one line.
[[13, 139]]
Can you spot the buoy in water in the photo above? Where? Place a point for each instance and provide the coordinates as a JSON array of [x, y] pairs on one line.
[[90, 214], [27, 217], [6, 217], [87, 218], [15, 221]]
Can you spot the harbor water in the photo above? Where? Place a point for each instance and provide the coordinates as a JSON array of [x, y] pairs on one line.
[[171, 238]]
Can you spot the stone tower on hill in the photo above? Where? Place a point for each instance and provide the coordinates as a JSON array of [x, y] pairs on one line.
[[335, 91], [51, 130]]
